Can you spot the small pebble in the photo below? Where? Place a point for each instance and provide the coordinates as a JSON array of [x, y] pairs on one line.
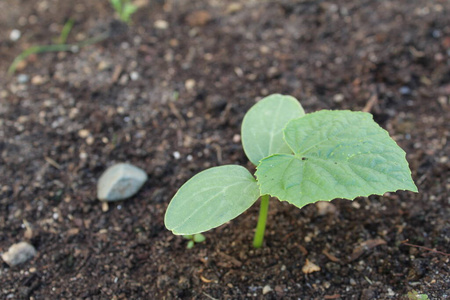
[[19, 253], [38, 80], [14, 35], [83, 133], [236, 138], [23, 78], [404, 90], [161, 24], [190, 84], [325, 208], [90, 140], [120, 182], [266, 289], [105, 207], [134, 76], [103, 65], [338, 98], [176, 155], [356, 205]]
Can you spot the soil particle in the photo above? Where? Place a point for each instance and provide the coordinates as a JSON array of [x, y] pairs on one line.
[[129, 93]]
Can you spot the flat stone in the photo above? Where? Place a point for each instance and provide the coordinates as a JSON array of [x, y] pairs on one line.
[[325, 208], [19, 253], [120, 182]]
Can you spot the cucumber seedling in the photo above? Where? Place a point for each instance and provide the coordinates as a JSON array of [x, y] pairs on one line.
[[300, 158], [193, 239]]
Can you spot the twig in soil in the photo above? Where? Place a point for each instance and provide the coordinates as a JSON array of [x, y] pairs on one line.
[[335, 296], [405, 242], [205, 280], [177, 114], [365, 246], [369, 105], [116, 73], [288, 236], [52, 162], [330, 256], [209, 296], [218, 151]]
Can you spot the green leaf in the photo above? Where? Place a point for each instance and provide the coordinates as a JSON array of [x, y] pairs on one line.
[[210, 199], [190, 244], [128, 10], [263, 125], [117, 5], [337, 154], [199, 238]]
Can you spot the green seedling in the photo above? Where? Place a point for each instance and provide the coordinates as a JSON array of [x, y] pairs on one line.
[[59, 46], [414, 295], [124, 9], [194, 238], [300, 158]]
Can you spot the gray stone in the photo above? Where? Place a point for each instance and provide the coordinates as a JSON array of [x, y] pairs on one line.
[[120, 182], [19, 253]]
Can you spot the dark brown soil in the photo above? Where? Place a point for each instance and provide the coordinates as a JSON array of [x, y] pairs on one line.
[[389, 57]]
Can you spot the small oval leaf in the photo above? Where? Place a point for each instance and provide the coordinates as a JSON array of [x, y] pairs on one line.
[[263, 126], [337, 154], [210, 199]]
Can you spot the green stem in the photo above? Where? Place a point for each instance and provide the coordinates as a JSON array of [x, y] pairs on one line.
[[55, 48], [261, 226]]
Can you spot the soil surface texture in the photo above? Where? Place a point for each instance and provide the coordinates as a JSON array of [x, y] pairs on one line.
[[167, 93]]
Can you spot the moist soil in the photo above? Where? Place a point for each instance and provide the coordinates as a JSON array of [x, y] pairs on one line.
[[168, 93]]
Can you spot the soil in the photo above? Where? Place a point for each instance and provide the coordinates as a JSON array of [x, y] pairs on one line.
[[168, 94]]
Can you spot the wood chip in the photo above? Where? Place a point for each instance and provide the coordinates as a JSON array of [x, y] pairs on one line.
[[116, 73], [206, 280], [73, 231], [28, 231], [231, 259], [303, 249], [234, 7], [52, 162], [369, 105], [365, 246], [330, 256], [198, 18], [335, 296], [310, 267], [177, 113]]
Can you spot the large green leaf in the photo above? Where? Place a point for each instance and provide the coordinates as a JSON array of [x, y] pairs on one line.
[[337, 154], [263, 125], [210, 199]]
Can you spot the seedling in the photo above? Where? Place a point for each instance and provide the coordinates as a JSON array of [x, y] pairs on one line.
[[414, 295], [194, 238], [124, 9], [59, 46], [300, 158]]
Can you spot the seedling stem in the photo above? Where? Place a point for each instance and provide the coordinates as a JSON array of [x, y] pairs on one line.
[[261, 226]]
